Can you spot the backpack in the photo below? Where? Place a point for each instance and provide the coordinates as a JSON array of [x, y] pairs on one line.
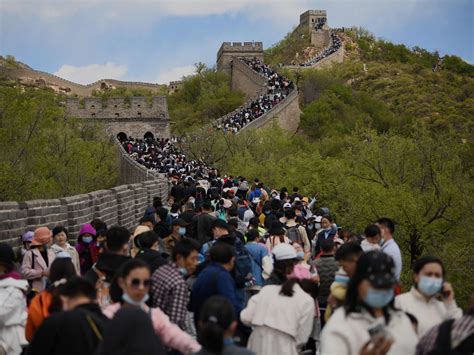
[[294, 235], [102, 287], [243, 267]]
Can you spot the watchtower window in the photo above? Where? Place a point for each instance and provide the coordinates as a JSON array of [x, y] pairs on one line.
[[115, 106], [93, 106], [138, 105], [139, 113], [117, 114], [312, 20], [93, 114]]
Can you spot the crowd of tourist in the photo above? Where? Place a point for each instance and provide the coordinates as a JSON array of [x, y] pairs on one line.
[[334, 45], [225, 266], [278, 88]]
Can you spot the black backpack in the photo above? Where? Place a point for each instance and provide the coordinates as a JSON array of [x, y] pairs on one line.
[[294, 235], [243, 266]]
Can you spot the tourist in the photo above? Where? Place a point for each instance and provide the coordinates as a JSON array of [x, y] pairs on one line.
[[38, 259], [86, 247], [147, 250], [61, 237], [327, 267], [108, 263], [327, 232], [77, 330], [261, 261], [48, 301], [431, 299], [389, 246], [281, 315], [139, 230], [296, 232], [203, 223], [12, 304], [178, 232], [133, 283], [369, 323], [216, 279], [26, 239], [217, 325], [277, 235], [372, 239], [169, 290], [130, 332]]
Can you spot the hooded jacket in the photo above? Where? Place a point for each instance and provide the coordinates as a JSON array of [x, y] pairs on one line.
[[12, 314]]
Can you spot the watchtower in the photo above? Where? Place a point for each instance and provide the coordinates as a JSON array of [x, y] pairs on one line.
[[315, 21], [228, 51]]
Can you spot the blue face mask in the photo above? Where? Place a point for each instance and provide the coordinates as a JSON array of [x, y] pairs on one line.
[[342, 279], [183, 271], [300, 255], [429, 286], [87, 240], [129, 300], [310, 226], [378, 298], [182, 231]]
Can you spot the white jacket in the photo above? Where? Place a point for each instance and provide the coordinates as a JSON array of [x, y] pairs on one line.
[[72, 252], [13, 314], [428, 313], [344, 335], [280, 323]]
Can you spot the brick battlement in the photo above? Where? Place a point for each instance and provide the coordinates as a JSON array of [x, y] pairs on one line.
[[228, 51], [117, 109]]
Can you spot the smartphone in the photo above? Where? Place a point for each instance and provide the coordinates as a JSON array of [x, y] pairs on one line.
[[377, 330]]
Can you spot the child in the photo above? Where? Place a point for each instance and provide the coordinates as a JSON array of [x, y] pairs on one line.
[[372, 238]]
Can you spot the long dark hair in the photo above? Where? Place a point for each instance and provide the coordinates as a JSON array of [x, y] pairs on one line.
[[115, 290], [62, 270], [352, 302], [282, 268], [216, 316]]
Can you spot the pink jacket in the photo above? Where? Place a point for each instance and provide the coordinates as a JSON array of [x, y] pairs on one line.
[[170, 334], [33, 265]]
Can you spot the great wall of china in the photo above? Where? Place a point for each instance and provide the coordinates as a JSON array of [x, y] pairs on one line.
[[125, 203]]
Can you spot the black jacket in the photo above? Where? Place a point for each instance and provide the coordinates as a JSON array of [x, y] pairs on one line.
[[320, 237], [75, 332], [162, 229]]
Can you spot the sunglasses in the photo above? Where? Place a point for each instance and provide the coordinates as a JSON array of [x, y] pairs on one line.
[[138, 282]]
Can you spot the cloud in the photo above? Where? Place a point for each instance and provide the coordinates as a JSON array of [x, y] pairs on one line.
[[89, 73], [175, 73]]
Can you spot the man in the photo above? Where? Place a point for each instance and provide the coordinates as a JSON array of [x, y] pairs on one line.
[[178, 191], [203, 223], [169, 290], [216, 279], [76, 330], [327, 267], [116, 254], [261, 260], [147, 250], [162, 228], [178, 231], [389, 246], [296, 232], [219, 229], [147, 221]]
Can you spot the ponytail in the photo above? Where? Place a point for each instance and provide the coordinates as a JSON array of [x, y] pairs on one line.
[[287, 287], [216, 316], [211, 336]]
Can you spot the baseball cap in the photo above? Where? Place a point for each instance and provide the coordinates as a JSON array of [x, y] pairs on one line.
[[287, 205], [284, 251], [380, 270]]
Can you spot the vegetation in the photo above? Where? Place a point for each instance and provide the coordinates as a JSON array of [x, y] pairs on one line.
[[9, 61], [393, 139], [202, 98], [45, 155], [288, 48], [127, 93]]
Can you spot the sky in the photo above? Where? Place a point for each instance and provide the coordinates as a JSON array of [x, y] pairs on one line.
[[161, 40]]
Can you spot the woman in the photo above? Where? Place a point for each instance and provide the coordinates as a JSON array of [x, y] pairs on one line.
[[368, 323], [12, 304], [38, 259], [130, 332], [47, 302], [276, 236], [130, 289], [302, 269], [281, 316], [431, 299], [326, 232], [87, 247], [216, 328], [60, 237]]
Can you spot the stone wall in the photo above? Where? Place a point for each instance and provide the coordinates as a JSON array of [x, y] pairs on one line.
[[286, 113], [336, 57], [228, 51], [122, 205], [30, 76], [247, 80]]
